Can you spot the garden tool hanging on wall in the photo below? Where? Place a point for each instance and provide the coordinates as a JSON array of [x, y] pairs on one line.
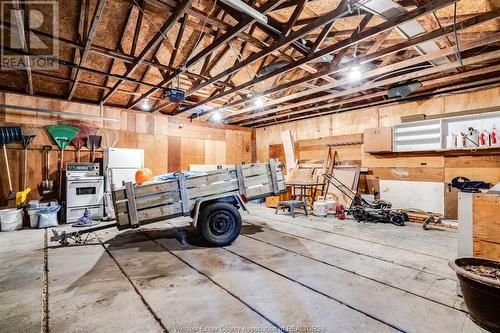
[[80, 139], [47, 186], [93, 143], [62, 135], [7, 135], [28, 134]]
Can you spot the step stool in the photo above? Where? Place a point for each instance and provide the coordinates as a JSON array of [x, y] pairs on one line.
[[291, 205]]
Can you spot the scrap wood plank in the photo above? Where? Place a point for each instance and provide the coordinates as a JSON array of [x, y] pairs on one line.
[[286, 136], [166, 212], [149, 201], [132, 208], [146, 189], [212, 189]]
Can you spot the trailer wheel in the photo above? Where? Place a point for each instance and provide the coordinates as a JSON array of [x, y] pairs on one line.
[[219, 223]]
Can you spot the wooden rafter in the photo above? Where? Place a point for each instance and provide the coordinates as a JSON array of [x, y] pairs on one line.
[[268, 6], [368, 33], [376, 55], [153, 43], [294, 17], [20, 15], [388, 69], [88, 42], [119, 46], [344, 103]]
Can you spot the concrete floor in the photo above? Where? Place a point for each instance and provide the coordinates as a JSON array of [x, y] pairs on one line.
[[306, 274]]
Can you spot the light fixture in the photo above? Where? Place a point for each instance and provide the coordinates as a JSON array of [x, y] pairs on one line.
[[146, 106], [355, 72], [216, 117], [244, 8], [259, 102]]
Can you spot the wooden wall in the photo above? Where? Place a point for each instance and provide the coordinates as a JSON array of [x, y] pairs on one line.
[[170, 144], [315, 133]]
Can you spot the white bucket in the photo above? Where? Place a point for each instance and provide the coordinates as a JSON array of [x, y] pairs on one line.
[[11, 219], [33, 214]]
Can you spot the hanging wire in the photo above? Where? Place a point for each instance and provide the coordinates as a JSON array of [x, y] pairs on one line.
[[200, 36], [457, 43], [149, 21]]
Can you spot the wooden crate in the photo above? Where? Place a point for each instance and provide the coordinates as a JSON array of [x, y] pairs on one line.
[[486, 226], [139, 204]]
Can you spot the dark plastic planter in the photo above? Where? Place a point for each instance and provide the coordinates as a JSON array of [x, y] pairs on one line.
[[481, 294]]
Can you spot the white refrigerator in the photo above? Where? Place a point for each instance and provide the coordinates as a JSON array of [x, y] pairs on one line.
[[120, 165]]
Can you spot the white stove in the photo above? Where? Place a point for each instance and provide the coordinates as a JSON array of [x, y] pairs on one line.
[[84, 190]]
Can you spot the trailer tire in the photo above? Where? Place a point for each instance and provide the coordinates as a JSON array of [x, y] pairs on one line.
[[219, 223]]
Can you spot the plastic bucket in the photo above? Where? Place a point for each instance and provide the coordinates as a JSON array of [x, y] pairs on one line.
[[33, 214], [481, 294], [11, 219]]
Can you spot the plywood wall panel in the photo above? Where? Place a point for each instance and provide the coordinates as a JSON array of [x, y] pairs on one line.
[[238, 147], [397, 160], [133, 130], [160, 159], [174, 154], [215, 152], [474, 100], [192, 152]]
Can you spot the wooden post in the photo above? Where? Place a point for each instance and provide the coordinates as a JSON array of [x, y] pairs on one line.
[[274, 177], [132, 207], [183, 194], [241, 180]]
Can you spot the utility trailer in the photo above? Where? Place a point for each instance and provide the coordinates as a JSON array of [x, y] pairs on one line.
[[212, 200]]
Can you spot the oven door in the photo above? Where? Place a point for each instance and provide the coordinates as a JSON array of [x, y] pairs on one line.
[[84, 192]]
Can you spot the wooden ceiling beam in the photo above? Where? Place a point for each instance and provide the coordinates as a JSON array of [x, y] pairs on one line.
[[20, 16], [119, 46], [88, 42], [368, 33], [479, 19], [294, 17], [377, 84], [340, 11], [233, 32], [431, 92], [167, 26]]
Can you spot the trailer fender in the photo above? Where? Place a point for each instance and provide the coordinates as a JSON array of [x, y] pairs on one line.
[[235, 199]]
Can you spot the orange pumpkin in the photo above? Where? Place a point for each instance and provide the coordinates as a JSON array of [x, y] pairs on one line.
[[143, 175]]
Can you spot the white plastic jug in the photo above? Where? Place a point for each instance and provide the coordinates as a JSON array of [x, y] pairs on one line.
[[319, 206], [11, 219], [330, 204]]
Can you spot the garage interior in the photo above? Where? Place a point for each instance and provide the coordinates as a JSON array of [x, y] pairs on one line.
[[250, 166]]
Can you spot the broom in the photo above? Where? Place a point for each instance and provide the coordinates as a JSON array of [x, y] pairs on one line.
[[28, 134]]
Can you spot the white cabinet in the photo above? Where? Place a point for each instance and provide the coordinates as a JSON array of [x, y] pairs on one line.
[[418, 135], [431, 135]]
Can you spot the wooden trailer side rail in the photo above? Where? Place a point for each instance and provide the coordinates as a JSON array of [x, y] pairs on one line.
[[139, 204]]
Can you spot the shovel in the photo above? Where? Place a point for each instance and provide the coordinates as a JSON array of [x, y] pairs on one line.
[[47, 184], [28, 134], [9, 134], [93, 142]]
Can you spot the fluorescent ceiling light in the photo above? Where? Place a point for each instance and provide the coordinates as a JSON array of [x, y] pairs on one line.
[[244, 8], [355, 73], [259, 102]]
